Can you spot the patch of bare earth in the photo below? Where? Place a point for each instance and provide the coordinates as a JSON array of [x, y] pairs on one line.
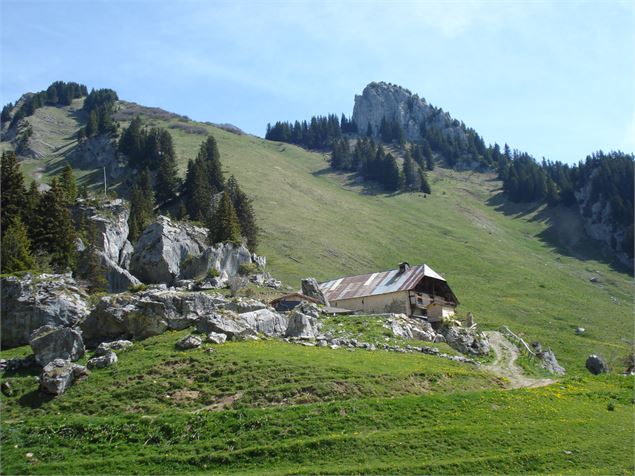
[[505, 363]]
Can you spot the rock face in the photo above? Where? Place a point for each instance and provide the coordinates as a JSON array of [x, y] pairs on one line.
[[51, 342], [58, 375], [384, 100], [596, 365], [30, 302], [146, 314], [168, 251], [98, 152], [311, 288], [599, 223], [110, 221]]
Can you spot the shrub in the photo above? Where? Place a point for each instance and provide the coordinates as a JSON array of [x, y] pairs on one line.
[[138, 288], [213, 273], [247, 269]]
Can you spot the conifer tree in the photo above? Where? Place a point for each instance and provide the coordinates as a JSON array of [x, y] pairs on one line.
[[223, 225], [54, 232], [411, 175], [11, 189], [244, 212], [391, 175], [32, 200], [68, 184], [92, 126], [168, 182], [198, 193], [16, 248], [209, 154], [141, 206], [423, 179], [131, 143]]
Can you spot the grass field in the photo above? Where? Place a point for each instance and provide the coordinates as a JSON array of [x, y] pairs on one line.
[[272, 407]]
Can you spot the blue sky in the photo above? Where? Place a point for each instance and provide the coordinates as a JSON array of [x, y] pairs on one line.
[[555, 79]]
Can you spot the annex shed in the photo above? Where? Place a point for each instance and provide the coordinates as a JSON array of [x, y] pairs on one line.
[[417, 291], [290, 301]]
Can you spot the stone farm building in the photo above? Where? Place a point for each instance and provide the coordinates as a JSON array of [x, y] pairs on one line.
[[416, 291]]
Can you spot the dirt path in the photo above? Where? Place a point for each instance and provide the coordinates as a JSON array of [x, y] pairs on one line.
[[505, 363]]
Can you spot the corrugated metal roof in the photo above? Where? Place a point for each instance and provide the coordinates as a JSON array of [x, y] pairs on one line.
[[377, 283]]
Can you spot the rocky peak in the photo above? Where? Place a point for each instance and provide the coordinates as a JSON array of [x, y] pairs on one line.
[[379, 100]]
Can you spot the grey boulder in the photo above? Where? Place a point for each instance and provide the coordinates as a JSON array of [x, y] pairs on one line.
[[311, 288], [51, 342], [265, 321], [226, 323], [216, 338], [466, 341], [57, 376], [32, 301], [301, 326]]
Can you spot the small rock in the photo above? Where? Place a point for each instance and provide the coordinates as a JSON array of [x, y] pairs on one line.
[[104, 360], [189, 342], [216, 338], [57, 376], [580, 330], [105, 347]]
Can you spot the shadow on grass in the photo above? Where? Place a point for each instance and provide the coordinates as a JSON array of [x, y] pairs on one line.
[[564, 233], [35, 399], [368, 187]]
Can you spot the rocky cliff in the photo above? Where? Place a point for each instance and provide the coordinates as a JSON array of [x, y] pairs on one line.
[[385, 100]]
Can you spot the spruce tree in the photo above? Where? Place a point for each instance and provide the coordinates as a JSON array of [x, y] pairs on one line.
[[168, 182], [141, 206], [244, 212], [11, 189], [92, 126], [423, 180], [54, 232], [391, 174], [223, 225], [411, 175], [32, 200], [68, 184], [16, 248], [209, 154], [198, 193]]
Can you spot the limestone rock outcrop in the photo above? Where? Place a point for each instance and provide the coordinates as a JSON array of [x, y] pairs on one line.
[[383, 100], [169, 251], [32, 301]]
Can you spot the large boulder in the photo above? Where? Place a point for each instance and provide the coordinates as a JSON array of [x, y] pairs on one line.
[[57, 376], [311, 288], [146, 313], [408, 328], [169, 251], [242, 304], [51, 342], [163, 247], [32, 301], [265, 322], [596, 365], [189, 342], [226, 323], [301, 326]]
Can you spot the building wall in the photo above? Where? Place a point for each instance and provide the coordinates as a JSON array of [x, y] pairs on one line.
[[436, 312], [392, 302]]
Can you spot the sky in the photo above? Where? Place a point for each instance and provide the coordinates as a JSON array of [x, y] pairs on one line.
[[555, 79]]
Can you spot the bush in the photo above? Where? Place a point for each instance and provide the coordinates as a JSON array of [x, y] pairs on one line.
[[138, 288], [213, 273], [247, 269]]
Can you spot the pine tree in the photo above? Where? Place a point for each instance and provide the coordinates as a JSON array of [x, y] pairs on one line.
[[410, 174], [141, 206], [32, 200], [54, 232], [209, 154], [11, 189], [423, 179], [198, 193], [68, 184], [391, 175], [223, 225], [16, 248], [244, 212], [92, 126], [168, 182], [131, 143]]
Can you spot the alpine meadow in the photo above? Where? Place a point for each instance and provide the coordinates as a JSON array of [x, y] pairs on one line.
[[379, 291]]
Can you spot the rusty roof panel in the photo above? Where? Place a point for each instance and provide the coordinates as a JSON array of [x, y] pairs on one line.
[[374, 284]]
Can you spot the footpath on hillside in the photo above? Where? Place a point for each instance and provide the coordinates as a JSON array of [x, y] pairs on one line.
[[505, 363]]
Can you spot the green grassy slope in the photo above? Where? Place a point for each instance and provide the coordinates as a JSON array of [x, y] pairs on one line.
[[497, 256], [272, 407]]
